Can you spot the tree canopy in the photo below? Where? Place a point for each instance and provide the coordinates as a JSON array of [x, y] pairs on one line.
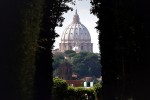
[[124, 37], [86, 64], [52, 17], [83, 63], [57, 61]]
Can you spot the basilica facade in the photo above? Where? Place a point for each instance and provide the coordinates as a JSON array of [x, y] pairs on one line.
[[76, 37]]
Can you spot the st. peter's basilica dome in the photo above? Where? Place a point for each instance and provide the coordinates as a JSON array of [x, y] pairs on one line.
[[76, 37]]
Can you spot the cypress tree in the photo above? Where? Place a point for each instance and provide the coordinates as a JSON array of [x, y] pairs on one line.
[[20, 21], [21, 26], [52, 17], [124, 48]]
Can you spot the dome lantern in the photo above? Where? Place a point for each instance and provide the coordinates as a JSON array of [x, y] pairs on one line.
[[76, 18]]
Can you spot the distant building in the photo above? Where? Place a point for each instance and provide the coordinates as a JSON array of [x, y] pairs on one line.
[[85, 82], [90, 81], [76, 37], [75, 83], [65, 71]]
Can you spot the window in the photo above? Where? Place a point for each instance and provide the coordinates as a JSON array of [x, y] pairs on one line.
[[88, 84], [81, 47]]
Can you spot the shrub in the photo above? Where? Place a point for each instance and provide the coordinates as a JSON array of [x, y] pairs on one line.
[[98, 91], [80, 93], [62, 91], [59, 90]]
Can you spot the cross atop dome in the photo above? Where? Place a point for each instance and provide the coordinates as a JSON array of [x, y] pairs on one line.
[[76, 12]]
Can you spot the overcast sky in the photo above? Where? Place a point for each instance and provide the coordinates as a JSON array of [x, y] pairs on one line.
[[87, 19]]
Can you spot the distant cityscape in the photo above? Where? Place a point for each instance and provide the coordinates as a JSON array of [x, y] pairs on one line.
[[76, 41]]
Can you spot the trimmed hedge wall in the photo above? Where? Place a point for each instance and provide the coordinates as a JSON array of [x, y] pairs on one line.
[[62, 91], [59, 90]]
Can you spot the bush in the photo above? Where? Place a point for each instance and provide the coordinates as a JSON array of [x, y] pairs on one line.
[[59, 90], [62, 91], [98, 91], [71, 93], [80, 93]]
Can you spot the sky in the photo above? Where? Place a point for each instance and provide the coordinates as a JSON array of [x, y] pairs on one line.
[[87, 19]]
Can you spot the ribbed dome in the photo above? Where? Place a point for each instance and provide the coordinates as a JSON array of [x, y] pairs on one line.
[[76, 32], [76, 37]]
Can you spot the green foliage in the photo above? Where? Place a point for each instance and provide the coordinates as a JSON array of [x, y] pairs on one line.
[[71, 93], [91, 93], [65, 92], [57, 60], [52, 17], [83, 63], [69, 53], [80, 93], [86, 64], [59, 84], [71, 90], [98, 91], [97, 87], [65, 62], [120, 25], [59, 90], [21, 42], [26, 46]]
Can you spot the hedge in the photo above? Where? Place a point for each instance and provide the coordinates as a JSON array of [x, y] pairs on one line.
[[62, 91]]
